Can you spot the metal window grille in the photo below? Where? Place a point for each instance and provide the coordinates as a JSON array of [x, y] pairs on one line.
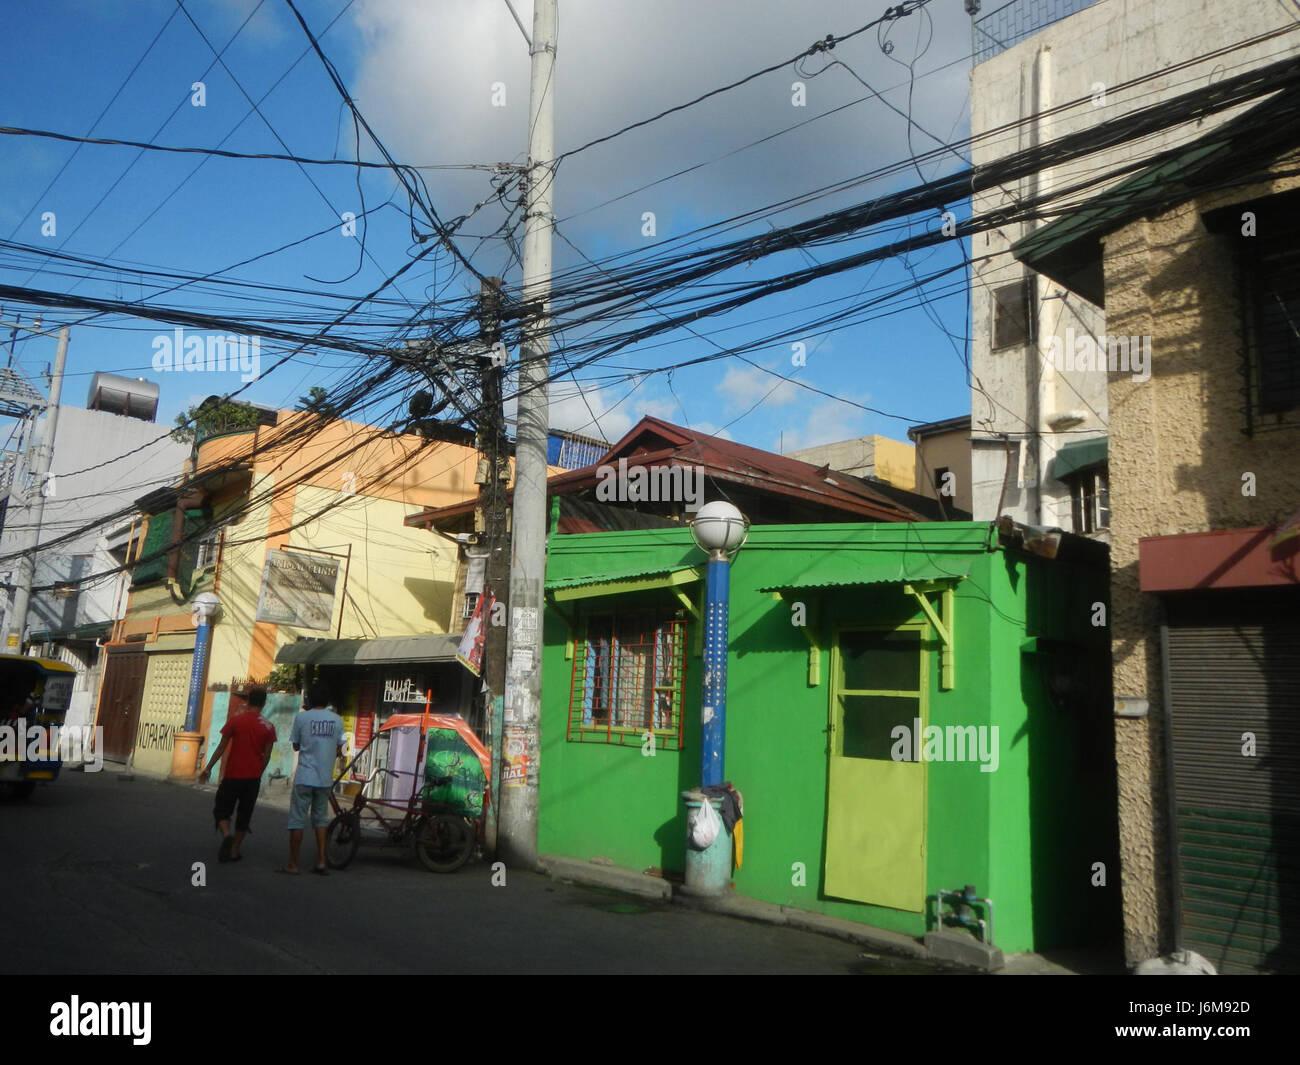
[[1271, 278], [629, 679], [1013, 314], [207, 550], [1090, 500], [471, 601]]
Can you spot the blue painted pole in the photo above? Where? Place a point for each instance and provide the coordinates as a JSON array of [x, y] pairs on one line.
[[197, 670], [714, 709]]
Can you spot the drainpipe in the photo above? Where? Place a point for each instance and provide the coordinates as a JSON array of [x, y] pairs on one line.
[[1037, 379]]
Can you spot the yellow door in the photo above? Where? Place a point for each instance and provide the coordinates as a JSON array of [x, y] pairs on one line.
[[875, 821]]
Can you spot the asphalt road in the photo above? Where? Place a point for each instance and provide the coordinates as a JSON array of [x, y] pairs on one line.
[[104, 866]]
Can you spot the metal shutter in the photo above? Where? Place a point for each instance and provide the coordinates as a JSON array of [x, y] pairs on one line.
[[1237, 818]]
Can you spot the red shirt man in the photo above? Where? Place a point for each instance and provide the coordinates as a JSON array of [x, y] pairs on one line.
[[249, 738]]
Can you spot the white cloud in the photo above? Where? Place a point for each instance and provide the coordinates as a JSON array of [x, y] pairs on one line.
[[824, 422], [426, 74], [743, 386], [588, 411]]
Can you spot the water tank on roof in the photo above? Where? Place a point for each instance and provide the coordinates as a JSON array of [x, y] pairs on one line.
[[133, 397]]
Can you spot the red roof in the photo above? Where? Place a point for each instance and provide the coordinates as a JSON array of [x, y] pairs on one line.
[[655, 442]]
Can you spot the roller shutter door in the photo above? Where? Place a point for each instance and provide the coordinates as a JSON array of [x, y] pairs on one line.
[[1231, 673]]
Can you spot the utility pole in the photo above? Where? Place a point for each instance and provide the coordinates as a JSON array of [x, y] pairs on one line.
[[496, 538], [44, 454], [517, 828]]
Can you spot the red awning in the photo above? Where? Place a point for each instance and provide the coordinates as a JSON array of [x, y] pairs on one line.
[[1225, 558]]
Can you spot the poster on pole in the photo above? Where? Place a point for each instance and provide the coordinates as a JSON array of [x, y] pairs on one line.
[[298, 589], [470, 652]]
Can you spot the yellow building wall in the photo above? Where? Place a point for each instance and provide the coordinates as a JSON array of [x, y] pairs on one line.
[[399, 581], [162, 708], [895, 462]]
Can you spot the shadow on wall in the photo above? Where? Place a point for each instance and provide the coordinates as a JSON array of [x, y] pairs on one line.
[[435, 599]]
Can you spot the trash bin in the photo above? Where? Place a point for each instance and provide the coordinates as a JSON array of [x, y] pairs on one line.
[[708, 871]]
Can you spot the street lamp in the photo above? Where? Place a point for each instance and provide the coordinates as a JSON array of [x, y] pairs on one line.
[[721, 530]]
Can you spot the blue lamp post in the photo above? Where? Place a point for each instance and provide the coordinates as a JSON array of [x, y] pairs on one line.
[[205, 608], [721, 530], [186, 743]]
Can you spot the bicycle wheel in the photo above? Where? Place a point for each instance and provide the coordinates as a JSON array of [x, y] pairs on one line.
[[342, 839], [444, 842]]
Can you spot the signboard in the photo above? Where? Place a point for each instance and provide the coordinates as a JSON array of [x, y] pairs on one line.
[[298, 589], [470, 652]]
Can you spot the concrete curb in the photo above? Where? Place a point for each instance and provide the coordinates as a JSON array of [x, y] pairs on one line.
[[572, 871]]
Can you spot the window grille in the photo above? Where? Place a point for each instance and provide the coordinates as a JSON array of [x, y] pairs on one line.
[[207, 550], [1271, 279], [628, 679], [1013, 315], [1090, 499], [471, 602]]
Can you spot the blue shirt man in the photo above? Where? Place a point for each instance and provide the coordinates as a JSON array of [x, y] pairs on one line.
[[317, 736]]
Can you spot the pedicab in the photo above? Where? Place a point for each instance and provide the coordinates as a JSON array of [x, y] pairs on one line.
[[421, 782]]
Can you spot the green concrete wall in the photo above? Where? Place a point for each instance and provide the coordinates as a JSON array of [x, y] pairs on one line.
[[1021, 834]]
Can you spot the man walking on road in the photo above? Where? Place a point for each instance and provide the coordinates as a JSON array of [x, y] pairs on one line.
[[249, 737], [317, 736]]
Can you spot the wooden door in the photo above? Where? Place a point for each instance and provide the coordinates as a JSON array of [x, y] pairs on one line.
[[119, 700]]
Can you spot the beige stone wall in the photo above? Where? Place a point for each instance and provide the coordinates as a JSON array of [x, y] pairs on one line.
[[937, 451], [1177, 455]]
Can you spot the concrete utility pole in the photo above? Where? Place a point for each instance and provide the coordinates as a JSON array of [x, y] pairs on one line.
[[517, 828], [44, 455], [496, 538]]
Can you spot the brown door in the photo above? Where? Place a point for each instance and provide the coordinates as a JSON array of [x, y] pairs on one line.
[[119, 701]]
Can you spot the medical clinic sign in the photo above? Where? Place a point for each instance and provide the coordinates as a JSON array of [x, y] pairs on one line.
[[298, 589]]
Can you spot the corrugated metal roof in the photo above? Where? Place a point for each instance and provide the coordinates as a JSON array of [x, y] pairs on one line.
[[432, 648], [1068, 250], [617, 573], [655, 442], [844, 570]]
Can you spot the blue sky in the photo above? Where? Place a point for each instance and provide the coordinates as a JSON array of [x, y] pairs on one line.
[[424, 76]]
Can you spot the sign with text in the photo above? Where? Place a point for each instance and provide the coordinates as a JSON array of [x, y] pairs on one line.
[[298, 589]]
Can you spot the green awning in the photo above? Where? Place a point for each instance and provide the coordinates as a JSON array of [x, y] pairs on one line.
[[843, 570], [1079, 455], [87, 633], [604, 573], [623, 582]]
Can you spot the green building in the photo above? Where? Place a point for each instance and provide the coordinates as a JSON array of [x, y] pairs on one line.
[[911, 707]]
